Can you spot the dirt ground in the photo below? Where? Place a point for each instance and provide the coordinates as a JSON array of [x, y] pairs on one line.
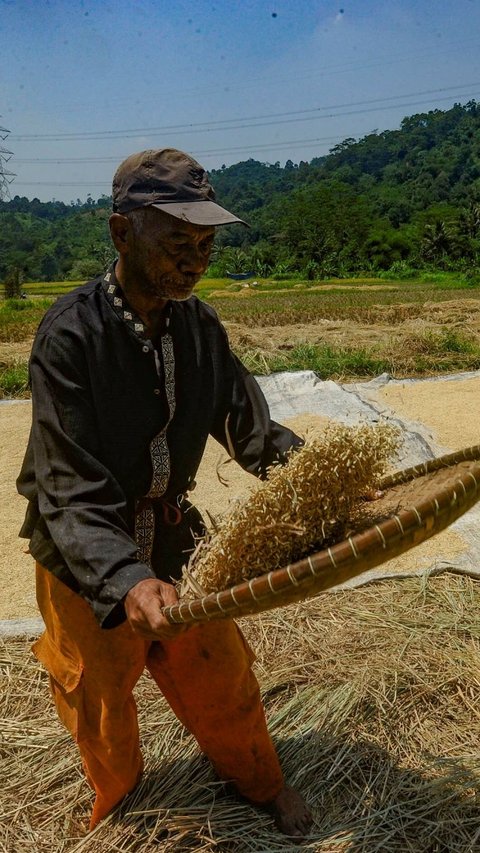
[[15, 351], [452, 418]]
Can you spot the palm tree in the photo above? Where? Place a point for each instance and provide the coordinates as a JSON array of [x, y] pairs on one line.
[[437, 241]]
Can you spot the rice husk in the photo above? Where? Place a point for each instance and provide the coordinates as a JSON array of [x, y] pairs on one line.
[[302, 506]]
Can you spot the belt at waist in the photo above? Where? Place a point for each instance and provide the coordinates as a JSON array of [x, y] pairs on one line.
[[171, 512]]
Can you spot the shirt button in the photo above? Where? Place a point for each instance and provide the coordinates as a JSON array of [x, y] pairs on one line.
[[156, 390], [145, 349]]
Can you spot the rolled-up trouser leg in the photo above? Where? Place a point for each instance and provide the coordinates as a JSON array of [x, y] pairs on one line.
[[92, 675], [205, 674]]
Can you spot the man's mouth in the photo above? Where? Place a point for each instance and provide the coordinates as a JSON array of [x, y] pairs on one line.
[[182, 281], [167, 288]]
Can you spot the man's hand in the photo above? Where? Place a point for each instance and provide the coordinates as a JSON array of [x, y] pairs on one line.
[[373, 495], [143, 604]]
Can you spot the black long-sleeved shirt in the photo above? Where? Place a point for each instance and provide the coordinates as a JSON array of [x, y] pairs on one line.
[[117, 417]]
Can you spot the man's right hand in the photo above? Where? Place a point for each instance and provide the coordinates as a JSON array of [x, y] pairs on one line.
[[143, 606]]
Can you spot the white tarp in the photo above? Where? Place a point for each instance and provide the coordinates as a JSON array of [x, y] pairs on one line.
[[291, 394]]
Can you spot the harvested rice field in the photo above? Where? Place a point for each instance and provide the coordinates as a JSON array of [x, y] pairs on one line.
[[372, 697], [355, 331], [372, 694]]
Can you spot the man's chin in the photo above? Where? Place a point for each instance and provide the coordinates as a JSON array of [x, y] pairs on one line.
[[176, 294]]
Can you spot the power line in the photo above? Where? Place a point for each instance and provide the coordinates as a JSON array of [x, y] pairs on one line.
[[208, 127], [210, 152], [63, 184]]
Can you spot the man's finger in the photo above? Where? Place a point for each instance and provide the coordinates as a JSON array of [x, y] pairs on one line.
[[169, 595]]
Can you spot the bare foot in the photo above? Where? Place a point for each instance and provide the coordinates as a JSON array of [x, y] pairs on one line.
[[291, 813]]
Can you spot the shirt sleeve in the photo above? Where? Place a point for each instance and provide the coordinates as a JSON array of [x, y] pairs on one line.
[[243, 424], [83, 505]]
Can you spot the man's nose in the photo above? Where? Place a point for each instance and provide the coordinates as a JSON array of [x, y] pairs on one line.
[[192, 260]]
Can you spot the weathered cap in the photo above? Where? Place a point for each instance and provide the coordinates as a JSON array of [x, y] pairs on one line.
[[171, 181]]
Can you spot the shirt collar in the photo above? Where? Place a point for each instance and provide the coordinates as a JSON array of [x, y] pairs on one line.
[[120, 305]]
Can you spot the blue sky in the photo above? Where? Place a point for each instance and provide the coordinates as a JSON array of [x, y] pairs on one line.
[[84, 83]]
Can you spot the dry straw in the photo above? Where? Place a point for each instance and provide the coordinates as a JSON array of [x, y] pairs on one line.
[[372, 697], [303, 506]]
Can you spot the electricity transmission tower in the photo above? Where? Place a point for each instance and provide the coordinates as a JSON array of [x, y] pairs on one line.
[[6, 177]]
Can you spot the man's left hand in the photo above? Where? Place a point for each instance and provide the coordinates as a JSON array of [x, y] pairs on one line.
[[143, 606]]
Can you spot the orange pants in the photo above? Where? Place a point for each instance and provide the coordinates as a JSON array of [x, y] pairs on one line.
[[204, 673]]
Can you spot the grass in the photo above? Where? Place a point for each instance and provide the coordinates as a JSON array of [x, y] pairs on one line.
[[301, 306], [57, 288], [49, 288], [426, 355], [368, 302], [372, 698], [327, 361], [430, 353], [209, 286], [14, 381], [19, 318]]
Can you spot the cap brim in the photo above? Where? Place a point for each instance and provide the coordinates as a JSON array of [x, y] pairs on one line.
[[199, 212]]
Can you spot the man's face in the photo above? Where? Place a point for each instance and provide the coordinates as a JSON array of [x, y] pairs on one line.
[[168, 255]]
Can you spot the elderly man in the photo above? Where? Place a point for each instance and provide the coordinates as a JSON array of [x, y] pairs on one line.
[[130, 373]]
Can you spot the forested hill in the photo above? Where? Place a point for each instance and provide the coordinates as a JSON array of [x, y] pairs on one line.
[[408, 196]]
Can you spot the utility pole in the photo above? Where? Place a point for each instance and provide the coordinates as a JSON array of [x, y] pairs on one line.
[[6, 177]]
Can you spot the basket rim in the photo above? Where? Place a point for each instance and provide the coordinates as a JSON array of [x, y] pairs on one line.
[[392, 536]]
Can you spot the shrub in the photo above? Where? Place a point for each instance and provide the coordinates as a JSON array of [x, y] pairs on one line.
[[14, 380], [13, 283]]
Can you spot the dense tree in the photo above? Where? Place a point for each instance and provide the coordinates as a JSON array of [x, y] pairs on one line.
[[411, 194]]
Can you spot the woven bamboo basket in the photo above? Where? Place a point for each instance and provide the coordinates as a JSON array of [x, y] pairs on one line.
[[416, 503]]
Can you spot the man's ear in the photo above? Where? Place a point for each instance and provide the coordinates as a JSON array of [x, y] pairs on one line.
[[120, 232]]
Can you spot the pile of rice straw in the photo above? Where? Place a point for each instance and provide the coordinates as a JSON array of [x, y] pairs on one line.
[[302, 506], [372, 698]]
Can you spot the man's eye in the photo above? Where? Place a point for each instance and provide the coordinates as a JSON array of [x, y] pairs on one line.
[[175, 246], [178, 244]]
